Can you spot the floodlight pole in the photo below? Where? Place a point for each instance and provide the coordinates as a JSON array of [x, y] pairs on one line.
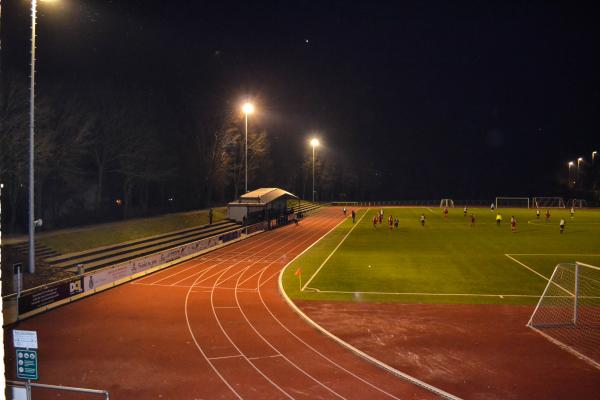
[[31, 141], [313, 173], [246, 156]]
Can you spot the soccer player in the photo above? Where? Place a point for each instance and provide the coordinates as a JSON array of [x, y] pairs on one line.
[[375, 221], [547, 214], [423, 220], [472, 220], [445, 212], [498, 219], [537, 213], [572, 211], [353, 216], [391, 222], [562, 225], [381, 217], [492, 207], [513, 223], [396, 222], [345, 211], [465, 211]]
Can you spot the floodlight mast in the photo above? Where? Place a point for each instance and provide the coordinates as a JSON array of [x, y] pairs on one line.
[[247, 108], [314, 142]]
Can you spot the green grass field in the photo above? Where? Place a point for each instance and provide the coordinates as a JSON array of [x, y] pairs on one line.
[[447, 261]]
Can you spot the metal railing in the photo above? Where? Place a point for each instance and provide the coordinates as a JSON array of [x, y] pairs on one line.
[[28, 386]]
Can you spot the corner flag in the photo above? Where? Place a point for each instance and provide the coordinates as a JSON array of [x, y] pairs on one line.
[[298, 273]]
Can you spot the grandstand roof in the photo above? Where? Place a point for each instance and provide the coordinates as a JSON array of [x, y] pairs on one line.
[[263, 196]]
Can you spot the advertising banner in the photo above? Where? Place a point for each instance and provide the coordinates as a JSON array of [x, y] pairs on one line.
[[31, 301]]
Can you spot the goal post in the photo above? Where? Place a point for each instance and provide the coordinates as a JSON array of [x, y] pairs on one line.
[[512, 202], [548, 202], [446, 203], [577, 203], [568, 312]]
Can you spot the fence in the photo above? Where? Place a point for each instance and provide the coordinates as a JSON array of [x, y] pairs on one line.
[[23, 390], [42, 298]]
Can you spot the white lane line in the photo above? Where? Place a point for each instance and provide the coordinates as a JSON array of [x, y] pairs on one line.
[[264, 357], [257, 247], [225, 357], [334, 250], [273, 347], [298, 338], [529, 268]]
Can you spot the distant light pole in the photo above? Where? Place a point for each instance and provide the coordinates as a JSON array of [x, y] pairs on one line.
[[594, 153], [314, 142], [571, 164], [247, 108], [31, 140]]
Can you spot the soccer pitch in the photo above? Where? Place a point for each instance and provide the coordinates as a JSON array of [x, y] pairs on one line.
[[447, 260]]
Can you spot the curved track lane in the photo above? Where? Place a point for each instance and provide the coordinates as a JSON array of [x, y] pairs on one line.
[[213, 327]]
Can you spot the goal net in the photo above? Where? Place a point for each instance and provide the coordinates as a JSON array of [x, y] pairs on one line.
[[568, 313], [577, 203], [548, 202], [512, 202], [446, 203]]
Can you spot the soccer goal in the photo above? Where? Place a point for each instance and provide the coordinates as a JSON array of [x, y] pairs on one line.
[[548, 202], [568, 313], [577, 203], [512, 202], [447, 203]]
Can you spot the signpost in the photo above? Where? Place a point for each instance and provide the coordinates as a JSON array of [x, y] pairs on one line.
[[26, 345], [27, 364]]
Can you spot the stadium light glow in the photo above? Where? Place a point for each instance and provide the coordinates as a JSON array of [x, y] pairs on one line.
[[594, 155], [248, 108], [314, 142], [571, 163]]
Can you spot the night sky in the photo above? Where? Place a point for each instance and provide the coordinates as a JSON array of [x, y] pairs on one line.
[[437, 99]]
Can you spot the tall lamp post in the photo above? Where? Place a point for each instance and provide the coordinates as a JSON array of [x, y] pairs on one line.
[[571, 164], [247, 108], [314, 142], [31, 140], [594, 154]]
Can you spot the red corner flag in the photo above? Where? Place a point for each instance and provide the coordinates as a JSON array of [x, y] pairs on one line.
[[298, 273]]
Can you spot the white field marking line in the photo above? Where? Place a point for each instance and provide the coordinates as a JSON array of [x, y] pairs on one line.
[[427, 208], [556, 254], [295, 308], [537, 273], [269, 278], [425, 293], [202, 272], [567, 348], [334, 250], [187, 320], [343, 343], [237, 300], [226, 307], [223, 281], [529, 268]]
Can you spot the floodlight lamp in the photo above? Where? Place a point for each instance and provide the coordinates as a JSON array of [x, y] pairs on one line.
[[248, 108], [571, 163], [580, 159], [314, 142]]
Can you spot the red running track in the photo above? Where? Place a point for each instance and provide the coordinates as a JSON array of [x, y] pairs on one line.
[[214, 327]]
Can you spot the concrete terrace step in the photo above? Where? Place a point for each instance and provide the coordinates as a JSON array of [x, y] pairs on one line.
[[134, 242], [106, 261]]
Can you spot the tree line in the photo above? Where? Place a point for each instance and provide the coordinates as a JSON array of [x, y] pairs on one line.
[[110, 151]]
